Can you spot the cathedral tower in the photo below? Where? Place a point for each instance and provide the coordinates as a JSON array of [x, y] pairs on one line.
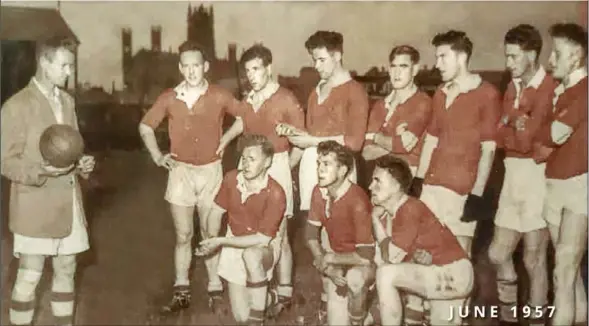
[[127, 54]]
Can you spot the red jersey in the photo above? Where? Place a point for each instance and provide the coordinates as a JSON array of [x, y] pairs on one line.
[[415, 111], [569, 159], [194, 132], [260, 212], [347, 219], [414, 226], [471, 119], [343, 112], [535, 102], [280, 107]]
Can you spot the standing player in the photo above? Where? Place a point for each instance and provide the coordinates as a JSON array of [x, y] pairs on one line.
[[420, 254], [266, 107], [397, 124], [460, 143], [529, 94], [46, 209], [337, 110], [565, 208], [344, 256], [255, 205], [195, 111]]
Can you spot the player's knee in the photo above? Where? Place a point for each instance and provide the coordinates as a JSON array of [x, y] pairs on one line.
[[252, 257], [64, 265], [533, 260], [184, 237], [356, 281], [26, 283], [566, 266], [497, 255]]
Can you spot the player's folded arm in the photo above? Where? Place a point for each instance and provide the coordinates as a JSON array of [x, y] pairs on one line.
[[568, 121], [417, 123]]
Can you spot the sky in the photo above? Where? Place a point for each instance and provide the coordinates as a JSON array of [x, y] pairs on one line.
[[370, 29]]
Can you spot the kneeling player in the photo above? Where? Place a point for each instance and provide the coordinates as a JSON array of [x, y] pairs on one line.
[[255, 205], [344, 255], [420, 255]]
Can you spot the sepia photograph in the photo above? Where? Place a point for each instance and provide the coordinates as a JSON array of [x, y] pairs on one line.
[[294, 163]]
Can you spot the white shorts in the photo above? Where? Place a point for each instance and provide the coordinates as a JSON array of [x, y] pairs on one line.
[[522, 197], [308, 176], [194, 185], [280, 171], [232, 267], [560, 194], [447, 288], [448, 207], [76, 242]]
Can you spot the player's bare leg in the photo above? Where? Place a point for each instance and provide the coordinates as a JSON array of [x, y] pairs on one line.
[[239, 298], [184, 224], [359, 280], [389, 279], [62, 289], [337, 303], [214, 286], [22, 307], [501, 256], [257, 261], [570, 242], [284, 269], [535, 247]]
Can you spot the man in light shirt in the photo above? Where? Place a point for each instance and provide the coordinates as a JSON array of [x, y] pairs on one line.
[[46, 210]]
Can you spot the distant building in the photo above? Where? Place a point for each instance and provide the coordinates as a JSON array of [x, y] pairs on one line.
[[149, 71]]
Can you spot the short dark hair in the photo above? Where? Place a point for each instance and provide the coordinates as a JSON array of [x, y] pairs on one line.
[[251, 140], [257, 51], [457, 40], [405, 49], [343, 154], [332, 41], [193, 46], [572, 32], [47, 47], [527, 37], [398, 168]]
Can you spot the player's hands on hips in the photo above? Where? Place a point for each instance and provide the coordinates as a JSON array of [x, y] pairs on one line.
[[167, 161], [86, 164], [221, 148], [48, 170]]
